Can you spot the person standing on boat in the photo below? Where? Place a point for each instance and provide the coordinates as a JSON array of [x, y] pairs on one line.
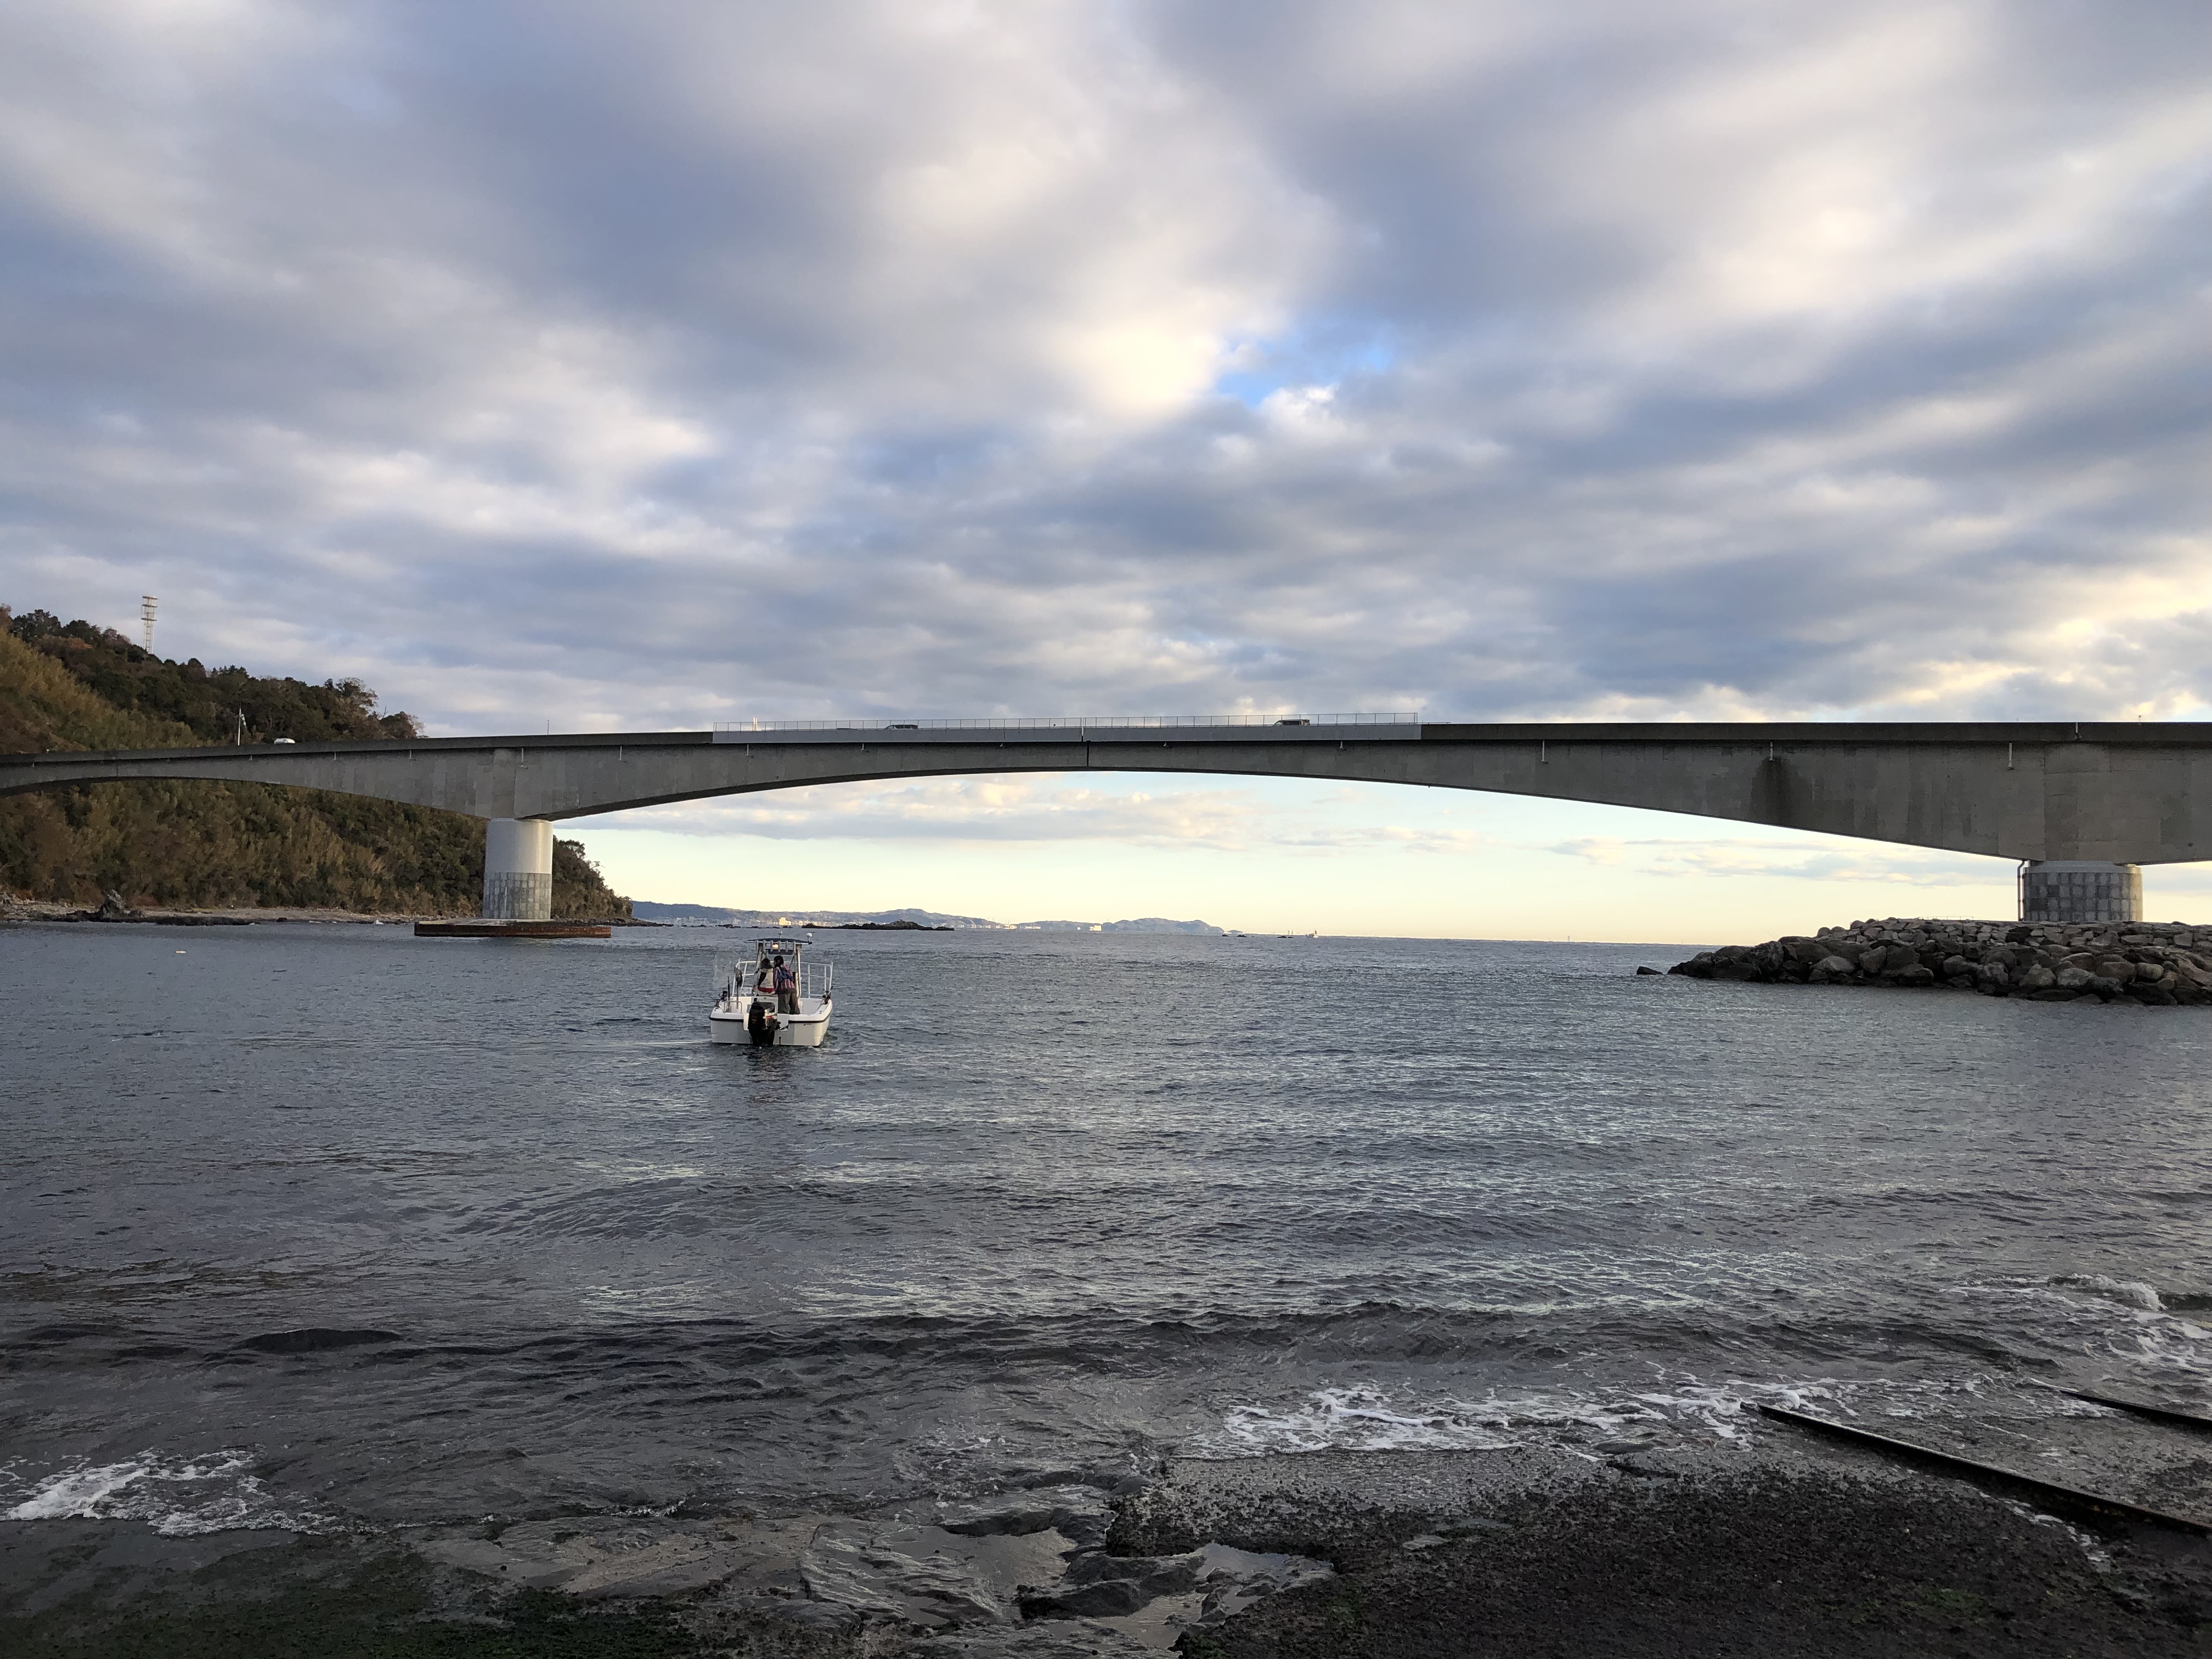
[[787, 988]]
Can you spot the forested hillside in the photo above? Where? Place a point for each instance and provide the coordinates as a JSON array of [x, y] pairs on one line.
[[72, 685]]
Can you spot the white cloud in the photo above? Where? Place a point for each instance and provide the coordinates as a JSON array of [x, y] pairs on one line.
[[1047, 808]]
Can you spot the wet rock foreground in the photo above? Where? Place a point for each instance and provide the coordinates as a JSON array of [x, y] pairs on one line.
[[1634, 1549], [987, 1576], [2156, 964]]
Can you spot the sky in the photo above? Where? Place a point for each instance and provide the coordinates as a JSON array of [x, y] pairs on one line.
[[591, 366]]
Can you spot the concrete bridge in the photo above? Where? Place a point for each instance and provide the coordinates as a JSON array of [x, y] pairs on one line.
[[2082, 804]]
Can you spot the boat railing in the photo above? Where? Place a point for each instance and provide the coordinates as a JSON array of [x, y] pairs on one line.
[[740, 977]]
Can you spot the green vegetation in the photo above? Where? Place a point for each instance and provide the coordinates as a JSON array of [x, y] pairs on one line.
[[74, 686]]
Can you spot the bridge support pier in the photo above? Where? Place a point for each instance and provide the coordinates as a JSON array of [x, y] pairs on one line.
[[2080, 889], [518, 882]]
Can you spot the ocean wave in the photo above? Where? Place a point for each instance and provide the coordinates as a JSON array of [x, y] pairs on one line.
[[1365, 1417], [1350, 1419], [2129, 1292], [2124, 1321], [178, 1497]]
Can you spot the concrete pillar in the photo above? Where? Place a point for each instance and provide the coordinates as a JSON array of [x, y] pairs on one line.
[[2080, 889], [518, 869]]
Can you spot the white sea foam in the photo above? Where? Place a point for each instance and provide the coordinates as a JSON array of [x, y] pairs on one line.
[[2131, 1292], [177, 1497], [2125, 1319], [1366, 1418], [1356, 1419]]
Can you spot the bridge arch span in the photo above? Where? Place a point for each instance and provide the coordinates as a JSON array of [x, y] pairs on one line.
[[2124, 792]]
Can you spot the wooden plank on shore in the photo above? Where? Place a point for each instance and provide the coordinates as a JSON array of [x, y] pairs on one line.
[[2049, 1494]]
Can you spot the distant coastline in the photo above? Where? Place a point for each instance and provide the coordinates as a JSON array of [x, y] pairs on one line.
[[711, 915]]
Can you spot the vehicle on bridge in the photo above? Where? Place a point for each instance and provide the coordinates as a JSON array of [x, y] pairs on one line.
[[772, 998]]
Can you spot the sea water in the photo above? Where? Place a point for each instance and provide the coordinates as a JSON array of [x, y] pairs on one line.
[[332, 1227]]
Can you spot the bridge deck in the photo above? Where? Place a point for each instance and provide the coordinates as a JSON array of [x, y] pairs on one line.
[[2129, 792]]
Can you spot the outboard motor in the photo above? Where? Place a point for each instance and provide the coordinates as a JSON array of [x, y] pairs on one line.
[[760, 1024]]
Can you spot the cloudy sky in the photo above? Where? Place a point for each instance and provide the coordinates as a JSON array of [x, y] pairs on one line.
[[642, 365]]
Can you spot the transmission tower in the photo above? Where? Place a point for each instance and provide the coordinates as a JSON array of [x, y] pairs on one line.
[[146, 604]]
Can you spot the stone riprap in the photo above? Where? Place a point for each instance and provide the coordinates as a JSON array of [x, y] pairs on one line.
[[2159, 964]]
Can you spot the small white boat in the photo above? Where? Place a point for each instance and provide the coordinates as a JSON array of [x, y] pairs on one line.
[[772, 998]]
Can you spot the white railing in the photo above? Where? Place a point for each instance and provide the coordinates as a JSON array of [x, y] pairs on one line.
[[1063, 722]]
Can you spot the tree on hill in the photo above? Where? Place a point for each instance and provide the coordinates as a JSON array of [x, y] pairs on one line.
[[210, 702], [75, 686]]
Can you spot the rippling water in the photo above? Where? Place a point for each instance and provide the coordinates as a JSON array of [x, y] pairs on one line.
[[332, 1226]]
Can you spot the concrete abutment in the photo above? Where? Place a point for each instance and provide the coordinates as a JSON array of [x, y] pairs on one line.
[[2074, 890]]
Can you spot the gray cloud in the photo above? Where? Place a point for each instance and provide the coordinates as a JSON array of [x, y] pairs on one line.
[[1044, 808], [1902, 866], [652, 364]]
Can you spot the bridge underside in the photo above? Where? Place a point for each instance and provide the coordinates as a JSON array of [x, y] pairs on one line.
[[2125, 793]]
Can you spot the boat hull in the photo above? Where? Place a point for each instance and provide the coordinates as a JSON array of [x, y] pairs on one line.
[[804, 1030]]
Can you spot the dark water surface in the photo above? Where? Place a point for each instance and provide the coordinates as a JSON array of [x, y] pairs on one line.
[[330, 1225]]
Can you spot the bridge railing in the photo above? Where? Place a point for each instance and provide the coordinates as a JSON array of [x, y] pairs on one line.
[[1064, 722]]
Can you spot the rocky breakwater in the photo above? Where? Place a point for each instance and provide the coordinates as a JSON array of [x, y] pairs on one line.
[[2159, 964]]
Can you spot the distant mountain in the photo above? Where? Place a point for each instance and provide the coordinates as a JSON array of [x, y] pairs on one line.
[[712, 915], [1140, 925]]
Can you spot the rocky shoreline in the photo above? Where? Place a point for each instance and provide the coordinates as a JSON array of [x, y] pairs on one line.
[[113, 909], [2153, 964], [1788, 1548]]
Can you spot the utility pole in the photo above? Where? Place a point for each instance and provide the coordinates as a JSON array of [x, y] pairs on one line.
[[146, 604]]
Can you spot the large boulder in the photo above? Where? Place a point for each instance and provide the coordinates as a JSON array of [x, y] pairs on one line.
[[1915, 975], [2118, 969], [2072, 977]]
